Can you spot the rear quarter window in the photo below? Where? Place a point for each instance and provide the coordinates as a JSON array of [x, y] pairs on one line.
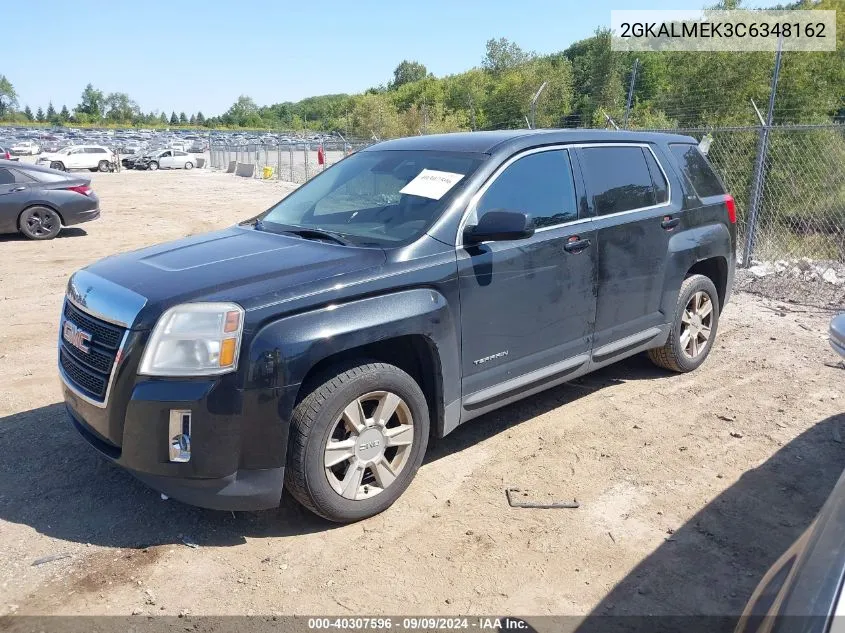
[[699, 174]]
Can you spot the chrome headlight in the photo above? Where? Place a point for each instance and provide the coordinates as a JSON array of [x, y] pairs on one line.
[[195, 339]]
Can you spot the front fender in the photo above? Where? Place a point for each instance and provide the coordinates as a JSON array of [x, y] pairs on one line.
[[283, 352]]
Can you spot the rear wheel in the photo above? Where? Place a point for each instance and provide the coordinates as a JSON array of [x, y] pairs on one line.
[[103, 166], [189, 165], [357, 441], [40, 223], [693, 329]]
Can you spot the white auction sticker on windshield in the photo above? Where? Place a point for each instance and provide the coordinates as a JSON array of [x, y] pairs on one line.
[[431, 183]]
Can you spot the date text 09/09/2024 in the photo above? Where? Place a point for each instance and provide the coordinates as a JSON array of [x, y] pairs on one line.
[[419, 623]]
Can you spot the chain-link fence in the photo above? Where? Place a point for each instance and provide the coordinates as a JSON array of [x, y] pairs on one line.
[[792, 245], [791, 241], [292, 162]]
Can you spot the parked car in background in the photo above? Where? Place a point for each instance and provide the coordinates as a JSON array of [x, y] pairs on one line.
[[837, 334], [128, 162], [413, 287], [197, 147], [91, 157], [166, 159], [38, 202], [5, 154], [51, 147], [803, 590], [25, 148]]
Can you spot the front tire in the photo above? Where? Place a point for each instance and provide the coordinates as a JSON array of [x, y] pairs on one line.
[[356, 441], [40, 223], [103, 166], [152, 166], [57, 165], [693, 328]]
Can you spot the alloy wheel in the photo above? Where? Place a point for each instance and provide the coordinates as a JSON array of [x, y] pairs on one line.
[[696, 324], [369, 445]]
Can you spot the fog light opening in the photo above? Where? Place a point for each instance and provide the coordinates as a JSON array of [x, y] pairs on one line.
[[179, 435]]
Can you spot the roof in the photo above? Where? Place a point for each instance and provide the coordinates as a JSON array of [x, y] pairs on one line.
[[488, 142]]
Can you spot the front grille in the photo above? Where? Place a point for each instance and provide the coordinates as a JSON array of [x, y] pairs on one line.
[[104, 334], [89, 372]]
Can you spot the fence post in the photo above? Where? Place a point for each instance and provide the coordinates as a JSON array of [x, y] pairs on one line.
[[290, 156], [756, 195], [630, 93], [278, 160], [306, 162]]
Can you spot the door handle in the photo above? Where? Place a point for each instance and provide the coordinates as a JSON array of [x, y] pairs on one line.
[[575, 244], [13, 189], [670, 223]]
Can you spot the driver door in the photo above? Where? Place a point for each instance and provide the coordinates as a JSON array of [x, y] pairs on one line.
[[527, 306], [166, 159]]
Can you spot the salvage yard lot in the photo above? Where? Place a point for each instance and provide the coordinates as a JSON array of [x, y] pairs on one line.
[[690, 486]]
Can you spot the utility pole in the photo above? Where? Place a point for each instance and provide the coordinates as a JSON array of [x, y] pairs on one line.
[[756, 196], [630, 93], [534, 105]]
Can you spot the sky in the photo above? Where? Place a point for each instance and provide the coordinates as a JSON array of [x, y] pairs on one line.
[[189, 55]]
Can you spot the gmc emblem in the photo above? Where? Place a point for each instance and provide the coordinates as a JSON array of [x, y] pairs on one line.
[[76, 337]]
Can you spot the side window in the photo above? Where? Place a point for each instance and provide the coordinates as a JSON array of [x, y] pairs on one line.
[[618, 179], [6, 177], [21, 177], [661, 189], [697, 170], [540, 184]]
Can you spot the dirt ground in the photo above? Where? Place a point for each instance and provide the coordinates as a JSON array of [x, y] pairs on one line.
[[690, 486]]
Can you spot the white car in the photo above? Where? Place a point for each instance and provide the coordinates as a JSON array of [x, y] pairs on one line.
[[25, 148], [92, 157], [169, 159]]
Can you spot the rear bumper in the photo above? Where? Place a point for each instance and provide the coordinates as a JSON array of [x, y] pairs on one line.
[[81, 216]]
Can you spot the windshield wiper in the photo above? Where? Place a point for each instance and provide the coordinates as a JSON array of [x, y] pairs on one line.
[[303, 232]]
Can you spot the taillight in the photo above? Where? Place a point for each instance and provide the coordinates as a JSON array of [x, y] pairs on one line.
[[85, 190], [8, 156], [731, 205]]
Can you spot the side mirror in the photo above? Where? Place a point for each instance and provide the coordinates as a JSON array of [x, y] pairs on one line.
[[500, 225]]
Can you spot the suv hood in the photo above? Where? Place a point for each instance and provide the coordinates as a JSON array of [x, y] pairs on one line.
[[236, 264]]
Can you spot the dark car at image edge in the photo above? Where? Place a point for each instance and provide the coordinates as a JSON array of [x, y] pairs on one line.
[[410, 288], [38, 201]]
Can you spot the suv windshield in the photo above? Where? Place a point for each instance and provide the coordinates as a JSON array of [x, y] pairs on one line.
[[375, 197]]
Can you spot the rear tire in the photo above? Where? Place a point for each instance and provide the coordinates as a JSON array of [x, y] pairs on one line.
[[369, 422], [189, 165], [694, 327], [103, 166], [40, 223]]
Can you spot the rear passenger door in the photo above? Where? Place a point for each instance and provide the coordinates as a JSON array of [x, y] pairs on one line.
[[629, 195], [15, 190], [526, 305]]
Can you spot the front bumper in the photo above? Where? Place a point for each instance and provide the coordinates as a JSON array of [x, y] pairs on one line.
[[243, 489]]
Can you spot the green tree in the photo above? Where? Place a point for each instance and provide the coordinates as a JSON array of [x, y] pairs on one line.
[[193, 119], [183, 120], [163, 119], [503, 55], [174, 120], [64, 115], [51, 112], [39, 115], [119, 108], [407, 72], [92, 104], [200, 118], [27, 112], [8, 97]]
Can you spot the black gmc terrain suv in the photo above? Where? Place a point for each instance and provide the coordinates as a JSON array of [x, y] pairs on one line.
[[410, 288]]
